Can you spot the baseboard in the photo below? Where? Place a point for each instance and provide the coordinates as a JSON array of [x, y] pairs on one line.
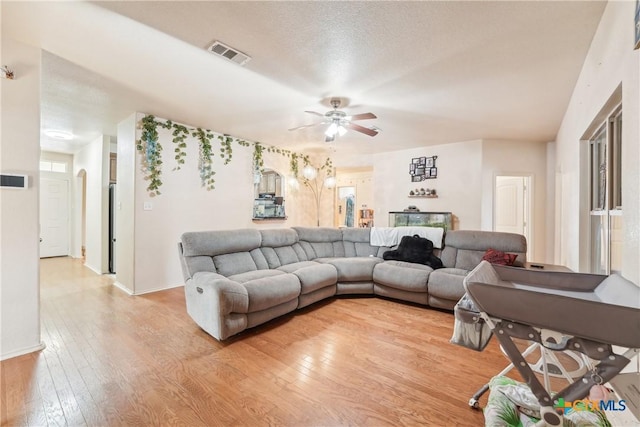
[[128, 291], [93, 269], [149, 291], [122, 287], [23, 351]]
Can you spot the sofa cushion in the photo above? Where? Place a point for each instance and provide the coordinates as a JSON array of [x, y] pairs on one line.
[[234, 263], [402, 275], [256, 274], [322, 249], [290, 268], [276, 257], [220, 242], [320, 242], [198, 247], [278, 237], [465, 248], [318, 234], [315, 277], [354, 269], [446, 283], [279, 247], [194, 264], [356, 242], [271, 291], [468, 260]]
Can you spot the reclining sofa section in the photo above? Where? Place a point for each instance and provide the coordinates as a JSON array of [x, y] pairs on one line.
[[238, 279]]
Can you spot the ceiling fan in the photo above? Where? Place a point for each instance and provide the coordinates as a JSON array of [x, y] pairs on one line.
[[339, 122]]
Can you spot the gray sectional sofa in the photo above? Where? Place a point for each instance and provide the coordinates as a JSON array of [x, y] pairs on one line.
[[238, 279]]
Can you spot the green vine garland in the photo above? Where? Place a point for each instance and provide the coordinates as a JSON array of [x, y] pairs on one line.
[[293, 165], [205, 160], [180, 134], [226, 152], [151, 150], [258, 161], [149, 146], [328, 165]]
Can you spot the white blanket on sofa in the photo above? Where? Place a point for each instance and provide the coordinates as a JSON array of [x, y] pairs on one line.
[[391, 236]]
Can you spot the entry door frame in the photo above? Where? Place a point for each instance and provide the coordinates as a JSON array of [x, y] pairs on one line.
[[341, 208], [67, 211], [529, 191]]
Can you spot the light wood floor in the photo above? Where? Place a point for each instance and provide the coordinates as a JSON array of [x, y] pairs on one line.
[[113, 359]]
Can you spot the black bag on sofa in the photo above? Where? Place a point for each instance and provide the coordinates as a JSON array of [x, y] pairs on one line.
[[414, 249]]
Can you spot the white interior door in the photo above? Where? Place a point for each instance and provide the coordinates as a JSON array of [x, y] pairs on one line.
[[54, 217], [512, 207], [510, 204]]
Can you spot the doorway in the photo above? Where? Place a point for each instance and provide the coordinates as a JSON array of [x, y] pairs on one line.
[[346, 206], [112, 228], [512, 209], [81, 203]]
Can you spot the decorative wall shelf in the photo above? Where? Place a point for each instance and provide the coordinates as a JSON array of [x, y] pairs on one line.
[[435, 196], [270, 218]]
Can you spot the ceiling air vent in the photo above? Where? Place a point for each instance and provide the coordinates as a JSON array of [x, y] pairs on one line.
[[229, 53]]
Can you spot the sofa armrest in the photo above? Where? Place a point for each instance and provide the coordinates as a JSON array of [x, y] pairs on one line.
[[218, 305], [232, 296]]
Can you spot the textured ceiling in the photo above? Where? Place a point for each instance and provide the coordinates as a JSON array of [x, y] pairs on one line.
[[433, 72]]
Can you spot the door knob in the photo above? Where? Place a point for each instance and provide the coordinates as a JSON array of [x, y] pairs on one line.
[[41, 240]]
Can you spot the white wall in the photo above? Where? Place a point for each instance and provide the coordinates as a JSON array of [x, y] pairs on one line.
[[465, 183], [147, 254], [94, 159], [125, 201], [459, 183], [611, 61], [550, 212], [19, 234], [518, 158]]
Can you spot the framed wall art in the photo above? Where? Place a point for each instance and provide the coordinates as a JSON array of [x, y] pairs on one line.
[[423, 168]]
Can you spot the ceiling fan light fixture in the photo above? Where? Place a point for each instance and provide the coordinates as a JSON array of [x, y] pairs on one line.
[[339, 123], [331, 130]]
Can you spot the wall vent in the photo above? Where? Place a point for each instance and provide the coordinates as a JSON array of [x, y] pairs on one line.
[[229, 53]]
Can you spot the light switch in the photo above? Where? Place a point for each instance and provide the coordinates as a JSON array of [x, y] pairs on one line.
[[147, 206]]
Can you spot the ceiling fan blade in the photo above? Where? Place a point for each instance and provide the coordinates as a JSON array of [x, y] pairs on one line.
[[361, 129], [306, 126], [330, 138], [315, 113], [364, 116]]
